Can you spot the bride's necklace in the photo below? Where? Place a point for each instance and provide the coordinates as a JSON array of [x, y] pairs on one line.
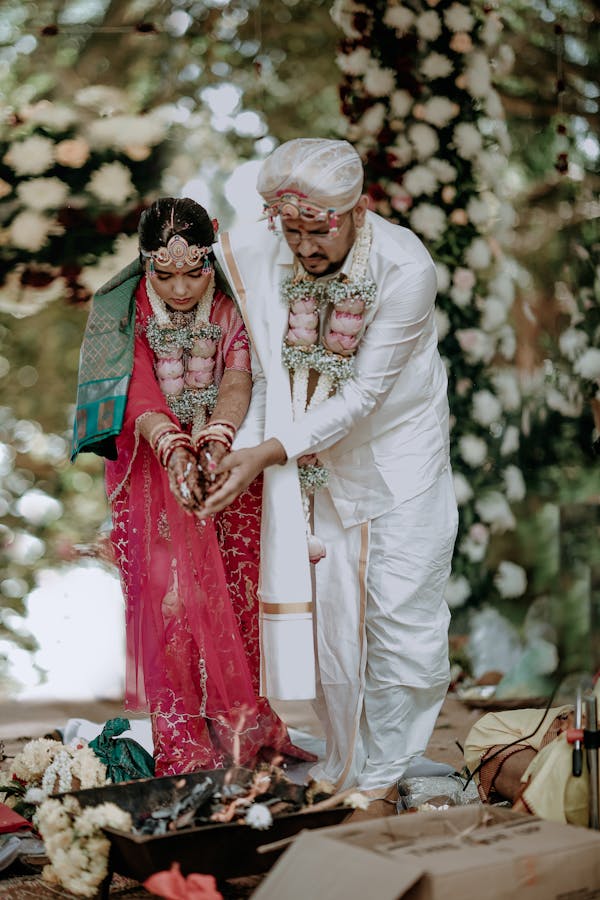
[[184, 346]]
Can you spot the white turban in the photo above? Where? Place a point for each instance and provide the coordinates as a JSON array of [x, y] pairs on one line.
[[327, 174]]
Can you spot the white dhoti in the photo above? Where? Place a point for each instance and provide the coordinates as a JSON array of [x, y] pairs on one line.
[[382, 635]]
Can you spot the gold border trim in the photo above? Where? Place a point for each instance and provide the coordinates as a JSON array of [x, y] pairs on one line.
[[281, 609]]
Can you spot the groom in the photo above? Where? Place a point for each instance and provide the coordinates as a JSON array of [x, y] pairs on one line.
[[387, 517]]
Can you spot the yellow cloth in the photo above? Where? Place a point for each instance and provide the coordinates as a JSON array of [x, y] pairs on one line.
[[553, 793], [496, 728]]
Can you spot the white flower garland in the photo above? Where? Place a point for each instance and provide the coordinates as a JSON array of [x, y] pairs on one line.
[[75, 844], [309, 345], [184, 354]]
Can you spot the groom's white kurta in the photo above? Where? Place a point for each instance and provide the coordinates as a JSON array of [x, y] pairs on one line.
[[388, 517]]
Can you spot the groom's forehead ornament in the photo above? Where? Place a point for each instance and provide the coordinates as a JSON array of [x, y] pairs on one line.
[[311, 180]]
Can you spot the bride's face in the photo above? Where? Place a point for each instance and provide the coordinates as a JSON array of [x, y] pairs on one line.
[[181, 289]]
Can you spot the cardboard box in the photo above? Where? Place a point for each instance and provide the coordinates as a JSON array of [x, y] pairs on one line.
[[466, 852]]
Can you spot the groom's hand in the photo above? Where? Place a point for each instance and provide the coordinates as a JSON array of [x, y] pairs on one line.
[[243, 467]]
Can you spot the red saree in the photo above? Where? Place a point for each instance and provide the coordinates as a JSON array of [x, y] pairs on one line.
[[186, 660]]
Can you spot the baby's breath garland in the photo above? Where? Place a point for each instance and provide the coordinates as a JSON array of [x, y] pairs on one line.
[[185, 348], [326, 322]]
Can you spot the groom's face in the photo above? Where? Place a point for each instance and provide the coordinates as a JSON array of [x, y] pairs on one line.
[[319, 250]]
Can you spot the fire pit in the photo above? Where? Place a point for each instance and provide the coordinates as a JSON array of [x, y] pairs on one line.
[[225, 850]]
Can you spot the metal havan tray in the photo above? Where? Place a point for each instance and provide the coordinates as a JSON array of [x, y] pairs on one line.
[[223, 850]]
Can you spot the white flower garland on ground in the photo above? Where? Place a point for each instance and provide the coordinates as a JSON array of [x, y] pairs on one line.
[[75, 844], [325, 324], [435, 144]]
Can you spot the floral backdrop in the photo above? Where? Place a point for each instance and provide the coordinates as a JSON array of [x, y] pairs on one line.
[[422, 109], [73, 180]]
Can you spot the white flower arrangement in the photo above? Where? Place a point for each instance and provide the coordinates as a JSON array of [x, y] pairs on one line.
[[436, 65], [43, 193], [476, 344], [487, 408], [428, 25], [54, 766], [438, 111], [473, 450], [75, 844], [29, 230], [43, 146], [442, 323], [493, 315], [55, 116], [506, 385], [458, 591], [468, 140], [420, 180], [424, 140], [111, 183], [458, 18], [511, 441], [510, 579], [428, 220], [514, 484], [354, 63], [401, 103], [120, 131], [399, 18], [379, 82], [443, 116], [462, 488], [493, 509], [31, 156]]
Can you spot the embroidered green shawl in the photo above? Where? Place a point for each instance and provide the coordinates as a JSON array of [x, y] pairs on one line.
[[105, 365]]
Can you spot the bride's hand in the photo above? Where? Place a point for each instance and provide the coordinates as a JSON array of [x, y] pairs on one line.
[[185, 479]]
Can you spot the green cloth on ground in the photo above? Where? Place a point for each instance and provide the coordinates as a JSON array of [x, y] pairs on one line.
[[124, 758]]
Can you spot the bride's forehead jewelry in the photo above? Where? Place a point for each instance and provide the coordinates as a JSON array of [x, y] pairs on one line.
[[177, 251], [291, 205]]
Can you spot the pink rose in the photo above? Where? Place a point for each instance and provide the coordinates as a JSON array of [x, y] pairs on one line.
[[204, 347], [345, 323], [198, 379], [459, 217], [301, 337], [355, 306], [201, 364], [310, 321], [461, 42], [171, 386], [344, 344], [402, 202], [316, 549], [72, 153], [307, 305], [169, 367], [463, 279]]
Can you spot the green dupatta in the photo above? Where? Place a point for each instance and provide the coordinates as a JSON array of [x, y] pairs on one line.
[[105, 365]]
